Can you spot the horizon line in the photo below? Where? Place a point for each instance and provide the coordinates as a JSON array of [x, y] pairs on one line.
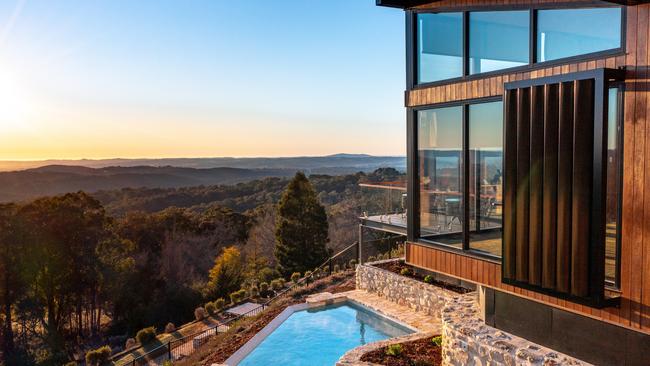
[[6, 160]]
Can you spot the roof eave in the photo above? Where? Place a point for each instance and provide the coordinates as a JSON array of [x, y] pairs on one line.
[[406, 4]]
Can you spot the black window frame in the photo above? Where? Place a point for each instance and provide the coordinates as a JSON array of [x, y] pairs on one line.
[[411, 42], [413, 203]]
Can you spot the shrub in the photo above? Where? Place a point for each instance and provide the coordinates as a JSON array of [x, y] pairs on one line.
[[98, 356], [235, 297], [130, 343], [405, 272], [275, 285], [337, 268], [170, 328], [428, 279], [211, 308], [243, 294], [219, 304], [353, 263], [371, 258], [437, 340], [146, 335], [308, 277], [200, 313], [295, 277], [394, 350], [264, 288], [254, 291]]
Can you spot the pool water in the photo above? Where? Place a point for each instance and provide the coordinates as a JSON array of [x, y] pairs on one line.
[[321, 337]]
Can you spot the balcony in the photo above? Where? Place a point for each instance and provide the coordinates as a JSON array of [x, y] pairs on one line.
[[384, 206]]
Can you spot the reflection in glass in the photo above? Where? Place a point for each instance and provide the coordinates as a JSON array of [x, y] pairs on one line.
[[486, 184], [440, 146], [440, 46], [570, 32], [498, 40], [613, 188]]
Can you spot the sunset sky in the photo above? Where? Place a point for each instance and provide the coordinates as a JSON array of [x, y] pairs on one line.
[[199, 78]]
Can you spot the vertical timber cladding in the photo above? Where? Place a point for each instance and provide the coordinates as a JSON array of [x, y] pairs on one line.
[[553, 239]]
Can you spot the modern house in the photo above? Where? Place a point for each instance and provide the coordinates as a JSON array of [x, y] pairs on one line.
[[529, 165]]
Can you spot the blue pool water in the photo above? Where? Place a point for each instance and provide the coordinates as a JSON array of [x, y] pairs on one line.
[[321, 337]]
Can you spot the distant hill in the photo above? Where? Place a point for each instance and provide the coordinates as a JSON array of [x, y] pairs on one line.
[[54, 179], [331, 164]]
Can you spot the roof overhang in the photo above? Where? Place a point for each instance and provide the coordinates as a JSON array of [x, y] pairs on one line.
[[405, 4]]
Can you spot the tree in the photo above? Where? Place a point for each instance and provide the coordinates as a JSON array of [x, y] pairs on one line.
[[12, 283], [227, 274], [301, 228], [65, 232]]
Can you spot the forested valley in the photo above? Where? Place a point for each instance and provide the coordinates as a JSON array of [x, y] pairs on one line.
[[80, 270]]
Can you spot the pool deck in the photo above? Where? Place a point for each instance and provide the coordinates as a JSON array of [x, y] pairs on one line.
[[418, 320]]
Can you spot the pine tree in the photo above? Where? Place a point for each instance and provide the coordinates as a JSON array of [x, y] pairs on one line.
[[301, 228]]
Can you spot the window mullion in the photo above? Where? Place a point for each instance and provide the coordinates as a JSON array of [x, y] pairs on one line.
[[466, 182], [532, 40], [465, 43]]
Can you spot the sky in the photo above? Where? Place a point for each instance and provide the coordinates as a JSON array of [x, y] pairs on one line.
[[200, 78]]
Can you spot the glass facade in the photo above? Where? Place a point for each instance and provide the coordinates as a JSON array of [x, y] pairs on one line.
[[570, 32], [498, 40], [614, 133], [485, 177], [440, 170], [439, 46]]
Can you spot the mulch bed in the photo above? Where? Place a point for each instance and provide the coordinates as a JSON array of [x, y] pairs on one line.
[[225, 345], [398, 266], [421, 352]]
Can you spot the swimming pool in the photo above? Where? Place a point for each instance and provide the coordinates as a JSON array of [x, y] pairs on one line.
[[321, 336]]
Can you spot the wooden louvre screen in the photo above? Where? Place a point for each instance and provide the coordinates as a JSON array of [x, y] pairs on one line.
[[553, 213]]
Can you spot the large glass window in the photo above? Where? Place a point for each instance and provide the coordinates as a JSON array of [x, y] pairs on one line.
[[612, 209], [498, 40], [570, 32], [485, 183], [439, 46], [440, 170]]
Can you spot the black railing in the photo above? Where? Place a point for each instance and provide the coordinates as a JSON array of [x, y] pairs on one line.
[[185, 346]]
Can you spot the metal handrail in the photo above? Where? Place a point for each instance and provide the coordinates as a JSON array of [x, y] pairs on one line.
[[169, 346]]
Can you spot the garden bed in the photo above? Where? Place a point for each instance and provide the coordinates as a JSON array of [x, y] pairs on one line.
[[403, 269], [421, 352]]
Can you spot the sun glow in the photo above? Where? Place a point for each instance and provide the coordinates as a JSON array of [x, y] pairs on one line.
[[14, 105]]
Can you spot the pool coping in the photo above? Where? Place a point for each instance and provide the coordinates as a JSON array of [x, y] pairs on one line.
[[258, 338]]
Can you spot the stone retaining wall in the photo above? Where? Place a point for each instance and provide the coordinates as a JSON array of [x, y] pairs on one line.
[[405, 291], [467, 340]]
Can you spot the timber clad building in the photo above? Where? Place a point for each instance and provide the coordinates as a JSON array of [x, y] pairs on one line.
[[529, 165]]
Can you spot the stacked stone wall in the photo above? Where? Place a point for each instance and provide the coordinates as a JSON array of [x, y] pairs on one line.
[[402, 290], [467, 340]]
